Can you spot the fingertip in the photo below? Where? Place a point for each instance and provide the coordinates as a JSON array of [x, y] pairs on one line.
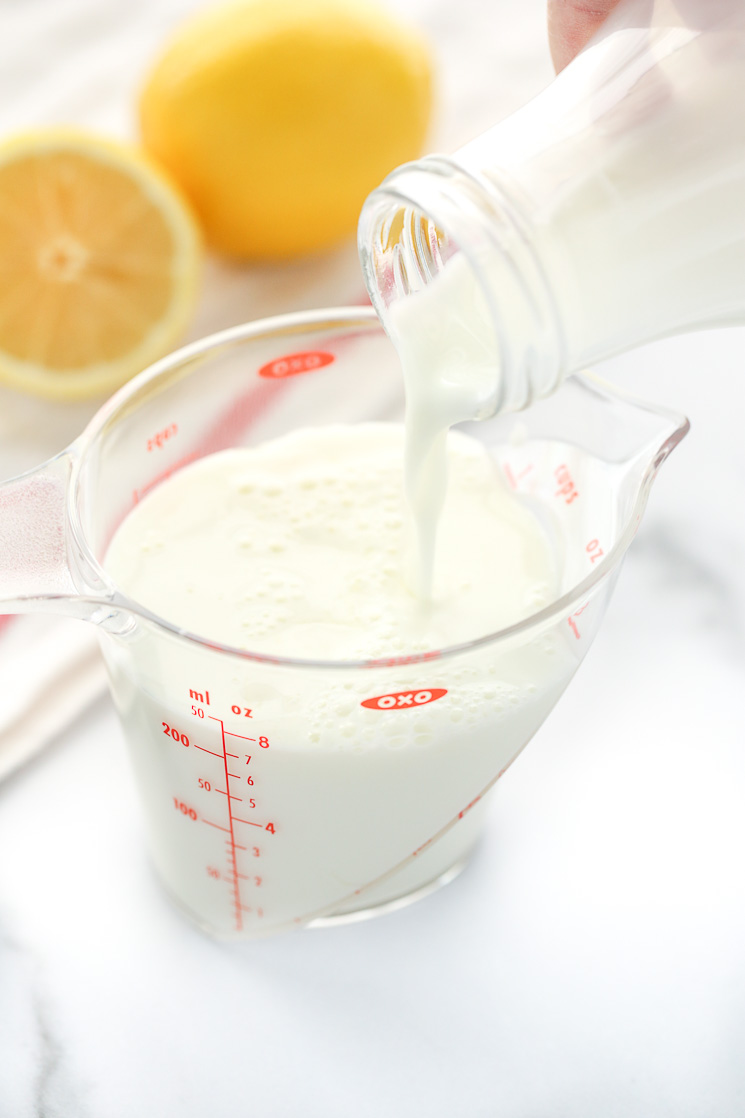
[[571, 24]]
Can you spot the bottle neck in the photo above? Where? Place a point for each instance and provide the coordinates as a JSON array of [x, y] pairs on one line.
[[433, 226], [606, 213]]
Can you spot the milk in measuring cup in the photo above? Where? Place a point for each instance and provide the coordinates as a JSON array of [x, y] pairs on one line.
[[296, 548]]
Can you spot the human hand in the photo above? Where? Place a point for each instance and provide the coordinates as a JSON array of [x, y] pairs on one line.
[[571, 23]]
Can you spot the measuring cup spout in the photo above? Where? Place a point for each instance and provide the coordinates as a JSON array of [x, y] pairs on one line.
[[35, 570]]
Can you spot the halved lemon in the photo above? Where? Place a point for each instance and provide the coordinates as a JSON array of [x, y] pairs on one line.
[[99, 263]]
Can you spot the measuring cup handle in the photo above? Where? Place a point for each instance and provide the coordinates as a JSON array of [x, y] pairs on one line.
[[34, 569]]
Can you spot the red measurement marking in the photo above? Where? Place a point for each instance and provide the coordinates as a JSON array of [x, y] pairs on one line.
[[185, 809], [399, 700], [234, 776], [207, 750], [228, 794], [567, 489], [162, 437], [216, 825], [594, 550], [172, 732], [232, 847], [250, 823], [294, 364], [507, 469], [138, 494], [468, 807], [511, 477], [233, 754], [394, 661], [572, 623]]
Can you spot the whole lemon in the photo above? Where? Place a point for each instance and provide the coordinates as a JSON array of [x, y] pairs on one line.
[[277, 117]]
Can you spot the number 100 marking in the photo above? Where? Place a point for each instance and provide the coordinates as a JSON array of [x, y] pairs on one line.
[[184, 808]]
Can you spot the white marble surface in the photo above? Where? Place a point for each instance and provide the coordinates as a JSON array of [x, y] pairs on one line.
[[590, 961]]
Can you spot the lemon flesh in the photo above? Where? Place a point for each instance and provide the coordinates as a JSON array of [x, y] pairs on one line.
[[278, 117], [99, 261]]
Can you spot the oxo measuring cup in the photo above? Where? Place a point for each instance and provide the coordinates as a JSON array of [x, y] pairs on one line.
[[280, 792]]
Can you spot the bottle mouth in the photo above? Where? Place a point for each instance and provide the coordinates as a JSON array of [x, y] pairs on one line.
[[407, 250], [430, 217]]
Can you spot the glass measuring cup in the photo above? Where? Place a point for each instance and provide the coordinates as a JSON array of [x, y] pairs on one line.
[[280, 792]]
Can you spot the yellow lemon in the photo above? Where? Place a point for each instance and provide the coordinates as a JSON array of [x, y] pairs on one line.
[[277, 117], [99, 259]]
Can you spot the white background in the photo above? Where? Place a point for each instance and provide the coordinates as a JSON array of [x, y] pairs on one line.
[[590, 963]]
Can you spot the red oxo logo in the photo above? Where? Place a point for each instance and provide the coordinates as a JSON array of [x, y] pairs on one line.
[[401, 699], [294, 364]]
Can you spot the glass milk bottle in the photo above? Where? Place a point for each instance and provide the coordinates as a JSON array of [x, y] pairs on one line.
[[608, 212]]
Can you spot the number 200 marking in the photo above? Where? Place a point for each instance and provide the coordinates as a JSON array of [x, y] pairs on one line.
[[169, 731]]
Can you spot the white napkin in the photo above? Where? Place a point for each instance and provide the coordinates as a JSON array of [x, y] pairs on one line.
[[50, 670]]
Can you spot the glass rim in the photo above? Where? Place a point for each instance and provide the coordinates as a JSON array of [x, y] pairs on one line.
[[363, 317]]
